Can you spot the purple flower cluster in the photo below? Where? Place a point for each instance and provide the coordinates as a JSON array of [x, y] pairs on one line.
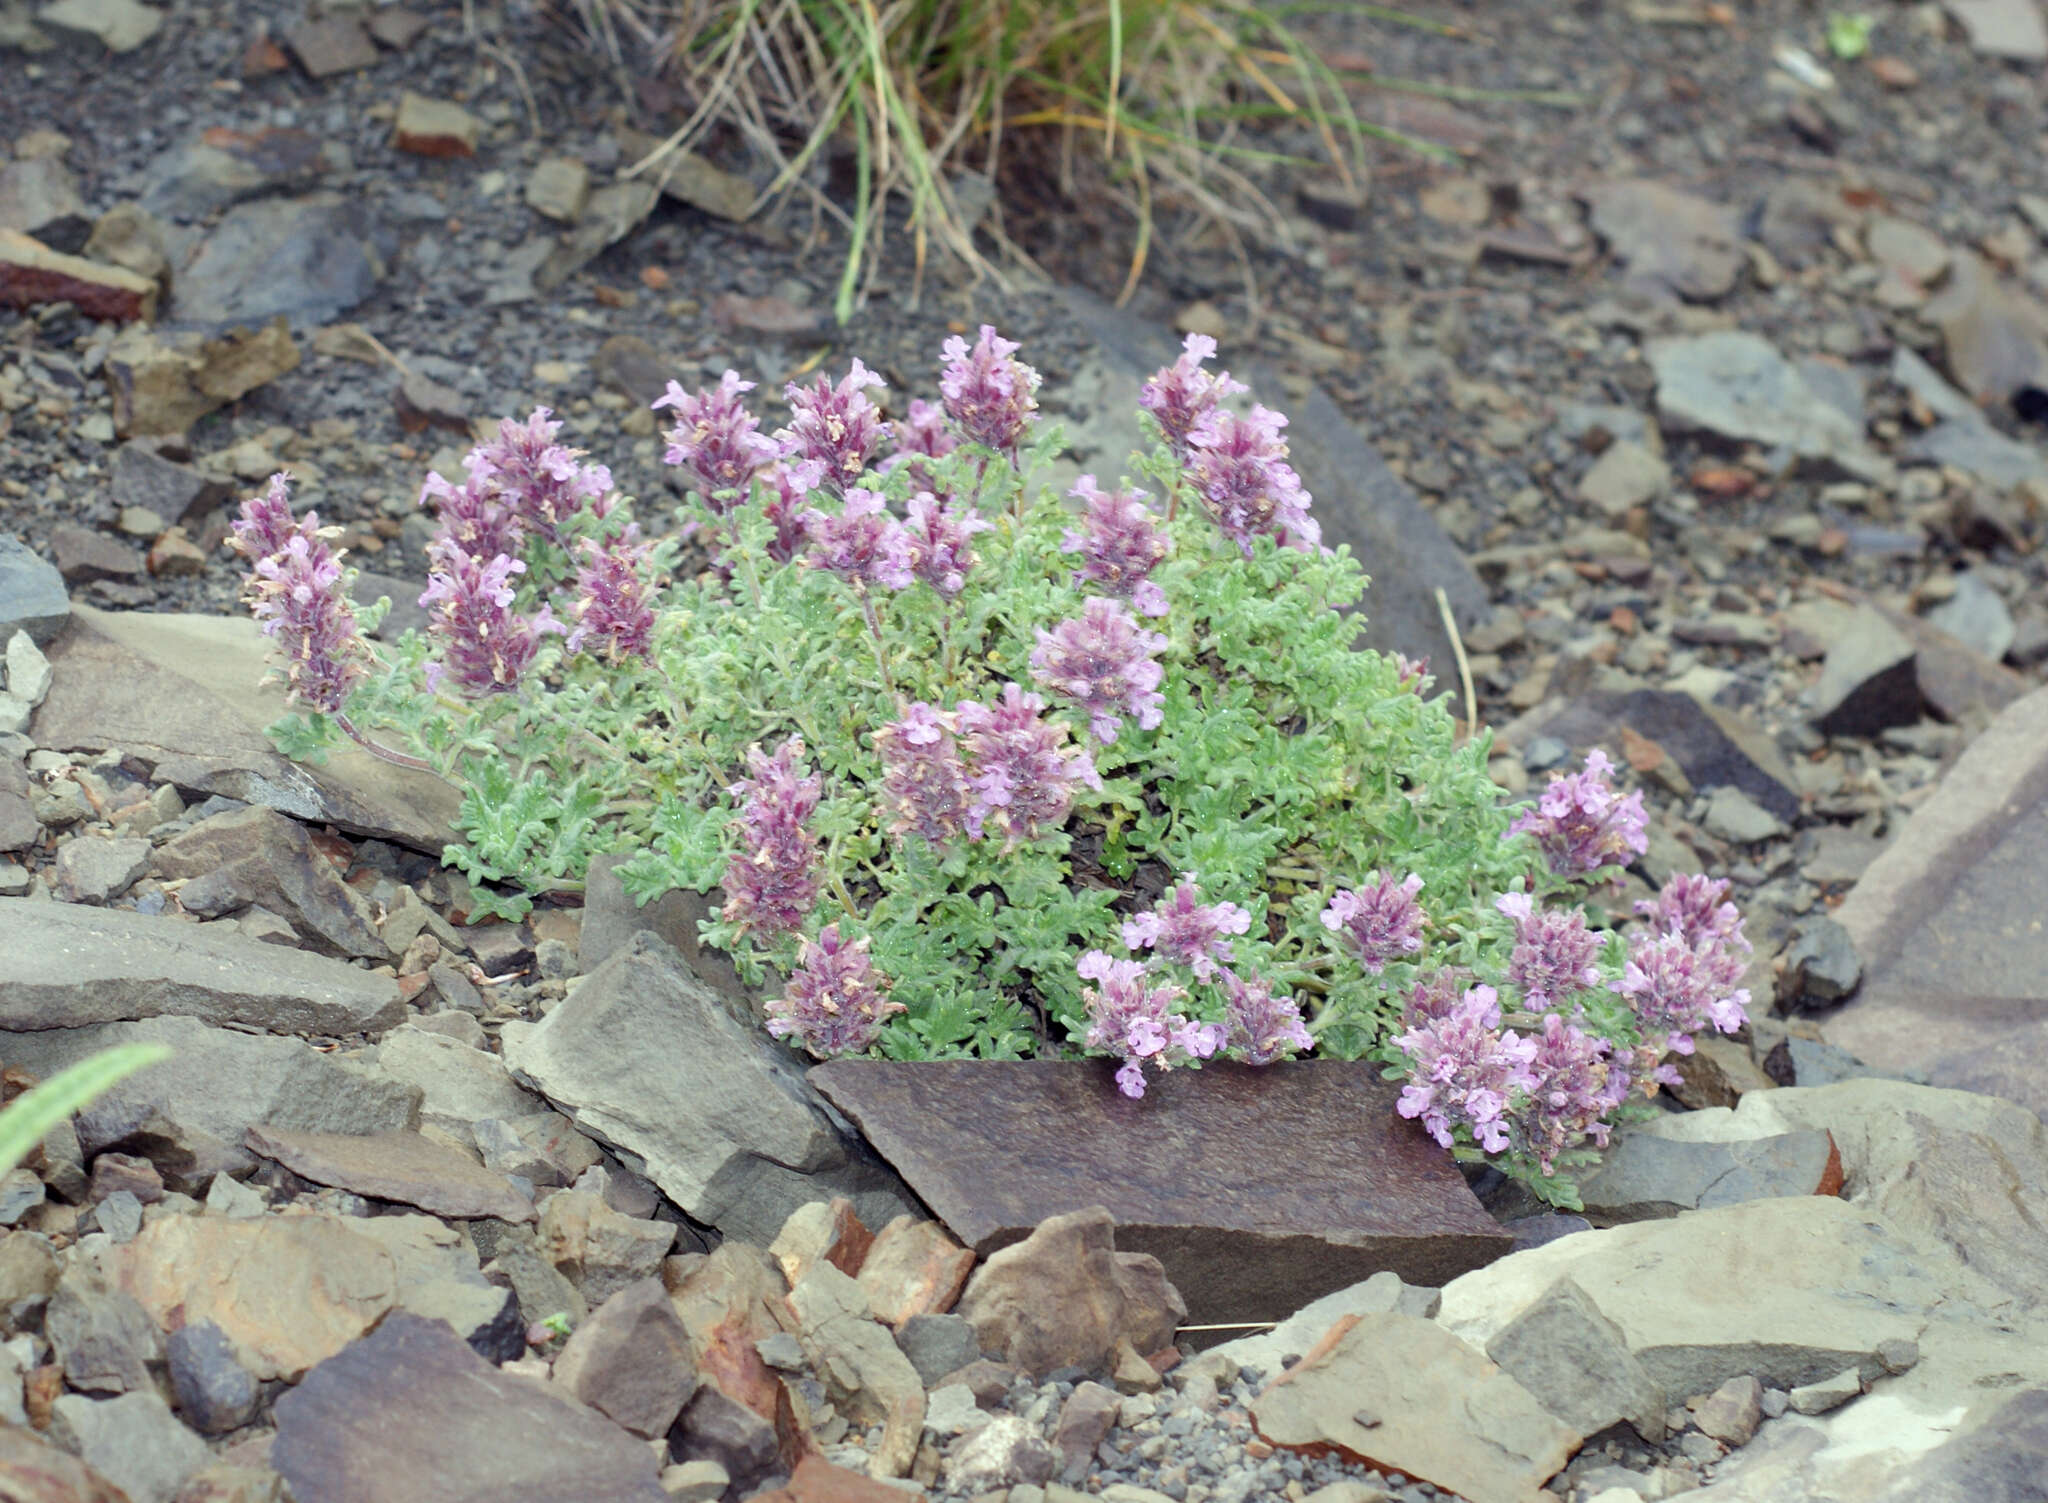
[[924, 782], [1021, 772], [1693, 906], [1103, 663], [989, 394], [485, 645], [717, 440], [940, 542], [1554, 952], [541, 482], [1582, 825], [1379, 922], [1265, 1028], [1180, 395], [296, 589], [473, 517], [771, 879], [787, 488], [836, 426], [831, 1003], [1431, 999], [922, 433], [1238, 466], [1576, 1086], [1685, 971], [1120, 544], [1130, 1017], [1467, 1071], [1182, 928], [863, 544], [613, 610]]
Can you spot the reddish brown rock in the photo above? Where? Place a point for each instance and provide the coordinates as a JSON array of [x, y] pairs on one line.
[[400, 1166], [1258, 1190], [828, 1230], [84, 555], [914, 1268], [435, 128], [731, 1299], [31, 275]]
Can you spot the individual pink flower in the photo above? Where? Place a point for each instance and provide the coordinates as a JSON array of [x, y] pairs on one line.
[[922, 432], [717, 440], [1554, 952], [831, 1004], [989, 395], [786, 486], [771, 878], [1693, 906], [1431, 999], [473, 517], [1182, 928], [298, 595], [1238, 467], [540, 481], [1181, 394], [1410, 672], [1120, 544], [1575, 1086], [266, 522], [924, 782], [1466, 1072], [1129, 1016], [1020, 771], [1582, 825], [941, 543], [837, 426], [1262, 1027], [863, 544], [485, 645], [613, 611], [1102, 662], [1379, 922]]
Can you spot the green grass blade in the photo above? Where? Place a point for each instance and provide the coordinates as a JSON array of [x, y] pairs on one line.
[[25, 1121]]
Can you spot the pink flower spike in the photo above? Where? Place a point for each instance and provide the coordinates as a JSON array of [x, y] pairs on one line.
[[1181, 394], [1181, 928], [1238, 467], [831, 1004], [922, 432], [1380, 922], [771, 879], [836, 426], [717, 440], [924, 783], [297, 594], [1120, 544], [266, 523], [541, 482], [941, 543], [1103, 663], [1263, 1027], [612, 607], [1020, 770], [1554, 952], [1465, 1072], [485, 645], [1582, 825], [473, 517], [990, 396], [863, 545]]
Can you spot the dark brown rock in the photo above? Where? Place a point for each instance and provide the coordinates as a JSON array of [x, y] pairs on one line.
[[817, 1480], [84, 555], [631, 1360], [1947, 924], [410, 1414], [1085, 1421], [1956, 681], [717, 1427], [400, 1166], [1232, 1177], [258, 856]]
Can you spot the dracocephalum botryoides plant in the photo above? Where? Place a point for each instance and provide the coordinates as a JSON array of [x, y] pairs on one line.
[[977, 769]]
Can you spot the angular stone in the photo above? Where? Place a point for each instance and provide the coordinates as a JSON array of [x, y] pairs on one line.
[[1064, 1297], [1643, 1176], [1719, 1072], [647, 1059], [217, 1082], [258, 857], [399, 1166], [130, 237], [142, 477], [913, 1269], [135, 1442], [1869, 681], [1269, 1353], [117, 25], [717, 1427], [85, 555], [1838, 1285], [862, 1368], [38, 197], [692, 179], [558, 187], [1955, 965], [164, 383], [1955, 680], [1626, 476], [1006, 1453], [1731, 1412], [1997, 1461], [822, 1232], [938, 1345], [599, 1250], [435, 127], [411, 1415], [215, 1393], [2002, 28], [63, 966], [101, 1336], [1086, 1419], [1996, 338], [1734, 816], [336, 45], [32, 594], [304, 260], [996, 1148], [459, 1084], [543, 1148], [179, 690], [92, 871], [1828, 1393], [1405, 1395], [32, 1471], [1577, 1363], [1737, 385], [1977, 616], [610, 919], [1670, 241], [631, 1360], [33, 275]]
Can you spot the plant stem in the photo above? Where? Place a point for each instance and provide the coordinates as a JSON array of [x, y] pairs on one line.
[[867, 608], [383, 753]]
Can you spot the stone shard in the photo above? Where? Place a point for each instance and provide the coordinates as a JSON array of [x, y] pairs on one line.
[[1946, 922], [646, 1058], [179, 690], [1643, 1176], [410, 1414], [1405, 1395], [863, 1369], [1869, 681], [135, 1442], [218, 1083], [913, 1269], [996, 1148], [64, 966], [1792, 1290], [34, 1471], [258, 857], [1671, 242], [1738, 386], [400, 1166], [32, 594], [631, 1360], [305, 260], [1577, 1363], [32, 275]]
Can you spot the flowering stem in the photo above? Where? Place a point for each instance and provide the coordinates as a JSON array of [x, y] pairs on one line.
[[867, 608], [384, 753]]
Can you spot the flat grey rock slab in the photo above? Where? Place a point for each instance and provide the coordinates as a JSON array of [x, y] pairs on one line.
[[1643, 1176], [1259, 1190], [1357, 499], [400, 1166], [64, 965], [1738, 386], [183, 691], [32, 594], [304, 259], [1947, 922]]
